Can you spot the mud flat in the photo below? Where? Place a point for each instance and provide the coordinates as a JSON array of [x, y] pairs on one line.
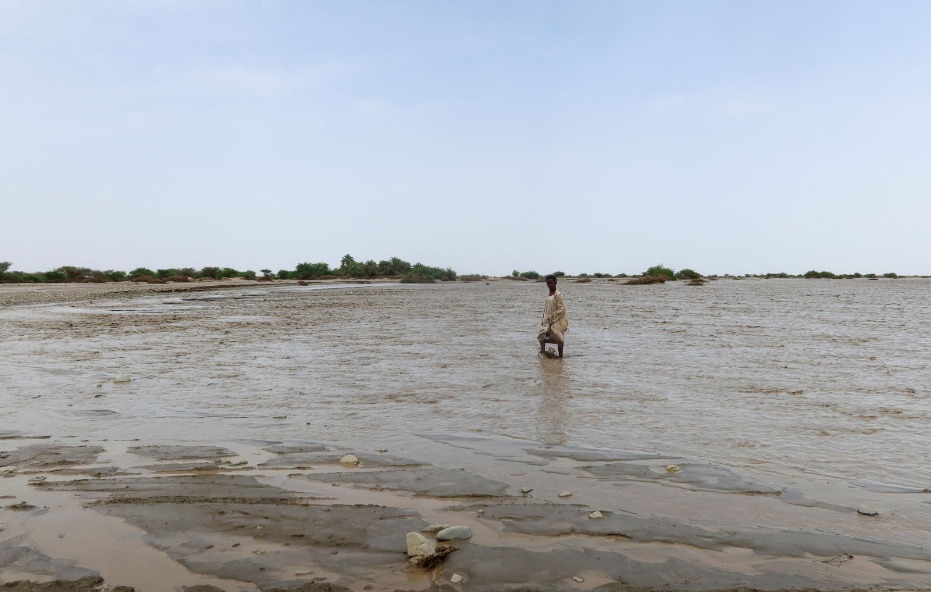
[[198, 442]]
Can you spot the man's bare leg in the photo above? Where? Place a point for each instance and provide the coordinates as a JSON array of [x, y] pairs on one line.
[[559, 345]]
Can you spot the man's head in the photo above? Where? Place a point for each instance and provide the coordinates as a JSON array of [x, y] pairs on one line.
[[551, 282]]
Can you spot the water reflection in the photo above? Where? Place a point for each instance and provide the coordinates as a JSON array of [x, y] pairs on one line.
[[551, 415]]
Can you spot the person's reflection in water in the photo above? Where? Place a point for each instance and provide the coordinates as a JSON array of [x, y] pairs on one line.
[[551, 416]]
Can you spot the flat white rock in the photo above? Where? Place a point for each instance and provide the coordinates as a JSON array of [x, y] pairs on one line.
[[565, 494], [349, 459], [596, 514], [454, 532], [867, 511], [455, 579], [672, 469]]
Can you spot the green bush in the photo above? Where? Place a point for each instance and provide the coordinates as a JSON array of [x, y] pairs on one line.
[[142, 271], [305, 271], [559, 274], [688, 274], [660, 270], [530, 275], [891, 275]]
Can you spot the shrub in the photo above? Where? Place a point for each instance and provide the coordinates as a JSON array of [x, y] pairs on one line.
[[530, 275], [249, 274], [140, 272], [890, 275], [559, 274], [413, 278], [647, 279], [305, 271], [5, 266], [688, 274], [283, 274], [660, 270], [472, 277]]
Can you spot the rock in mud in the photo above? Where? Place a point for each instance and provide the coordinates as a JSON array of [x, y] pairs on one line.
[[454, 532], [419, 545]]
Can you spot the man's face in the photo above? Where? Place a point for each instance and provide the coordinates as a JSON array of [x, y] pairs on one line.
[[551, 284]]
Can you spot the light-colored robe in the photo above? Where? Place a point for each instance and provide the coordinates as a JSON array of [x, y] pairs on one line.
[[554, 320]]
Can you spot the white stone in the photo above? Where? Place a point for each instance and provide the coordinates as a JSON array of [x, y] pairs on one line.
[[122, 379], [349, 459], [596, 514], [38, 479], [867, 511], [526, 489], [419, 545], [672, 469], [454, 532], [455, 579], [565, 494], [578, 579]]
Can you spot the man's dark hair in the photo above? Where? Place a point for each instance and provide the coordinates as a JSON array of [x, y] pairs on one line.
[[550, 277]]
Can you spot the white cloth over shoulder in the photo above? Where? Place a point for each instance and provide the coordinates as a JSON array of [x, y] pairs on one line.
[[555, 323]]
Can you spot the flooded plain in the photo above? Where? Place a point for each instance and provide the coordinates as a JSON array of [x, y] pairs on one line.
[[817, 391], [817, 378]]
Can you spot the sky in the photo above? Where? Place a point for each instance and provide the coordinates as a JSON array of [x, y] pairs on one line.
[[486, 136]]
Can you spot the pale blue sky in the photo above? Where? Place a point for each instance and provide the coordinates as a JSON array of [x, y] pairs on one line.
[[727, 137]]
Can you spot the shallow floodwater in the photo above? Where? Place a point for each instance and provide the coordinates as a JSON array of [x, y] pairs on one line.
[[784, 379]]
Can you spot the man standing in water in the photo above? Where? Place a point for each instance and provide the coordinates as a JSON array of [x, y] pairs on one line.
[[555, 324]]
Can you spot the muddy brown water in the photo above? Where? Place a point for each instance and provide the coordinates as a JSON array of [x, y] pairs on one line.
[[816, 386], [815, 378]]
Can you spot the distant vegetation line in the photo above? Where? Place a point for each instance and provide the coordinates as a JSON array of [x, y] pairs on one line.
[[350, 268], [663, 273]]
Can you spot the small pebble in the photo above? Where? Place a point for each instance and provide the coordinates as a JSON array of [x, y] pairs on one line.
[[455, 579], [349, 459], [596, 514], [867, 511], [526, 489], [122, 379], [565, 494], [38, 479], [578, 579], [672, 469]]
